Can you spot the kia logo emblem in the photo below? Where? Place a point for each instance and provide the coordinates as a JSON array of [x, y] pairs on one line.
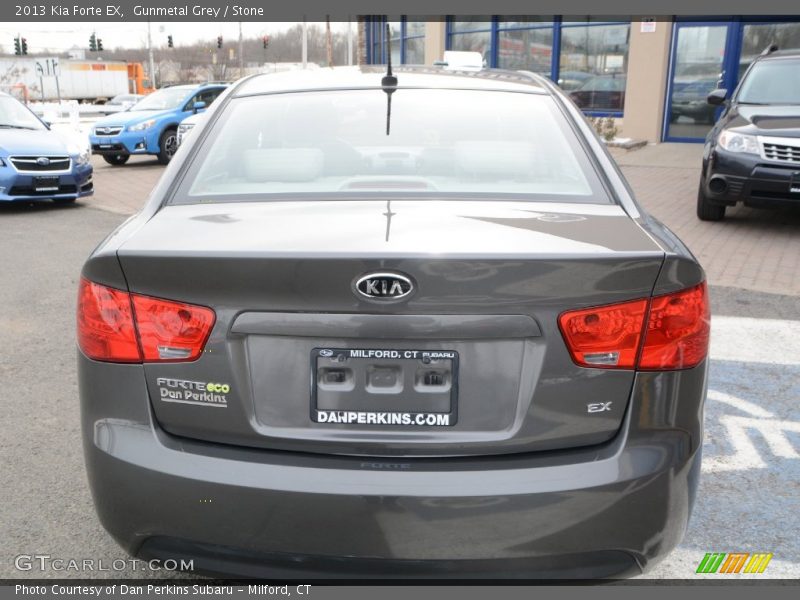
[[384, 286], [42, 161]]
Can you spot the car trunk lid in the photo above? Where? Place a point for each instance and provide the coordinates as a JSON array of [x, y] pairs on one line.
[[294, 337]]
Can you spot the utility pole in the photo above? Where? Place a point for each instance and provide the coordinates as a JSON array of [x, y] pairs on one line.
[[150, 56], [241, 52], [349, 41], [305, 44], [328, 40]]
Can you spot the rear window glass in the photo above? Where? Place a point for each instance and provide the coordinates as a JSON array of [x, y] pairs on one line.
[[440, 143]]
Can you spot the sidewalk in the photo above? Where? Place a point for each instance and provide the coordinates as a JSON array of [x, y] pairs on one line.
[[751, 249]]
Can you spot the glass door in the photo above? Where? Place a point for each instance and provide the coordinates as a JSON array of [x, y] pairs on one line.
[[699, 51]]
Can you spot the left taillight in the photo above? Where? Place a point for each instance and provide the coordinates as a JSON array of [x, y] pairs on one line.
[[117, 326]]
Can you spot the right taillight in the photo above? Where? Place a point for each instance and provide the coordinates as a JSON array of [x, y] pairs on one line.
[[117, 326], [678, 330], [663, 333]]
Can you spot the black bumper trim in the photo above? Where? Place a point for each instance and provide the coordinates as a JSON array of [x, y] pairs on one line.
[[223, 561]]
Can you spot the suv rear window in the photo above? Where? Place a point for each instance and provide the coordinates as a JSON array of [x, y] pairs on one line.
[[440, 143]]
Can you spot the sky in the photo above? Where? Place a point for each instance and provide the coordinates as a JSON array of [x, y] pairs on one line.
[[60, 37]]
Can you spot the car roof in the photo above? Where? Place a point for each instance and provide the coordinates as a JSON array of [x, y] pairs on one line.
[[369, 76], [779, 54]]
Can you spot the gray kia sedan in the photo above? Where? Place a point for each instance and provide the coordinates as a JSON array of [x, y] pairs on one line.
[[404, 325]]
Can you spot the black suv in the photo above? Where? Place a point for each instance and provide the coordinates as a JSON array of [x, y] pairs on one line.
[[752, 154]]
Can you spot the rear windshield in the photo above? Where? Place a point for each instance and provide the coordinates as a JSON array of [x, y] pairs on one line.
[[334, 144], [772, 82]]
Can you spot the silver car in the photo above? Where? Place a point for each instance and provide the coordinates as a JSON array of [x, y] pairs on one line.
[[406, 325]]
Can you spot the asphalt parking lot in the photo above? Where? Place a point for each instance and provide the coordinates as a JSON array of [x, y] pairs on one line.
[[749, 500]]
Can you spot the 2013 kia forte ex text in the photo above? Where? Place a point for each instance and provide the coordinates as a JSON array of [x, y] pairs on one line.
[[394, 325]]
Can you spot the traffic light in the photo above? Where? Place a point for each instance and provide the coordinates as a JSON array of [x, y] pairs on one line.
[[93, 43], [169, 42], [265, 39], [219, 41], [17, 46], [24, 46], [99, 45]]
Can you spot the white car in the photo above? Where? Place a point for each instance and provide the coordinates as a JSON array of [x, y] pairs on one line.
[[187, 125]]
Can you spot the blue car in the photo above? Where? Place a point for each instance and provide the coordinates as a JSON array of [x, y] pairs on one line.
[[37, 163], [150, 126]]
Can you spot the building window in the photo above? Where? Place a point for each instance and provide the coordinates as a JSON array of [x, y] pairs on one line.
[[407, 37], [757, 36], [588, 59], [526, 45], [471, 34], [593, 64]]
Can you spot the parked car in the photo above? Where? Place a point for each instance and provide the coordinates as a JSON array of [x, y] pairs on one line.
[[691, 101], [187, 125], [572, 80], [121, 102], [604, 92], [151, 125], [37, 163], [752, 154], [441, 340]]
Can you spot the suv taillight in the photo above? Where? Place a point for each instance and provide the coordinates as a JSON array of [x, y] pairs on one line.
[[614, 336], [117, 326]]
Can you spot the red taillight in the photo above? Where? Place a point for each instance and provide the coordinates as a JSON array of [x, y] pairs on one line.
[[676, 335], [605, 336], [116, 326], [171, 330], [105, 324], [678, 330]]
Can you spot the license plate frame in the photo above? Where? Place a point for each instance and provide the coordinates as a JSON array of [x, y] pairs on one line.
[[412, 368], [48, 183]]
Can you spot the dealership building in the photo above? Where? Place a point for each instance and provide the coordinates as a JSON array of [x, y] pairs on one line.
[[652, 75]]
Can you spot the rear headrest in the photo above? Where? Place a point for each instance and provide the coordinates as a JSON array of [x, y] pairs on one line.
[[495, 159], [283, 164]]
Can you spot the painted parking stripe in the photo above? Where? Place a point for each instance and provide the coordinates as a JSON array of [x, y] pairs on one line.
[[746, 343], [751, 340]]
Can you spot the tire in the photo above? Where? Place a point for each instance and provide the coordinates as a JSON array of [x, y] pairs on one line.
[[116, 159], [706, 210], [168, 145]]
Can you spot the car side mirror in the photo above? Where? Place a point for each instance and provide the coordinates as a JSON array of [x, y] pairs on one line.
[[717, 97], [198, 106]]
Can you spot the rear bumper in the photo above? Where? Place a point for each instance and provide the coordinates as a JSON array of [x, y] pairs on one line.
[[604, 511], [735, 177]]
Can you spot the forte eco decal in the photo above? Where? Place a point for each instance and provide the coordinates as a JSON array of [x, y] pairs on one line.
[[193, 392]]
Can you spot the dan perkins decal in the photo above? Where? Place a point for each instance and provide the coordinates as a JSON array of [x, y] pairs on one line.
[[193, 392]]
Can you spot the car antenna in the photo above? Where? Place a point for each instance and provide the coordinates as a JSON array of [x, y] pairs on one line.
[[389, 81]]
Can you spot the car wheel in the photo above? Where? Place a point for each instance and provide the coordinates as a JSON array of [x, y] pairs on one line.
[[168, 144], [116, 159], [706, 210]]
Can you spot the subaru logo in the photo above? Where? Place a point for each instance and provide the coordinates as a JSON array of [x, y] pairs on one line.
[[42, 161], [384, 286]]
